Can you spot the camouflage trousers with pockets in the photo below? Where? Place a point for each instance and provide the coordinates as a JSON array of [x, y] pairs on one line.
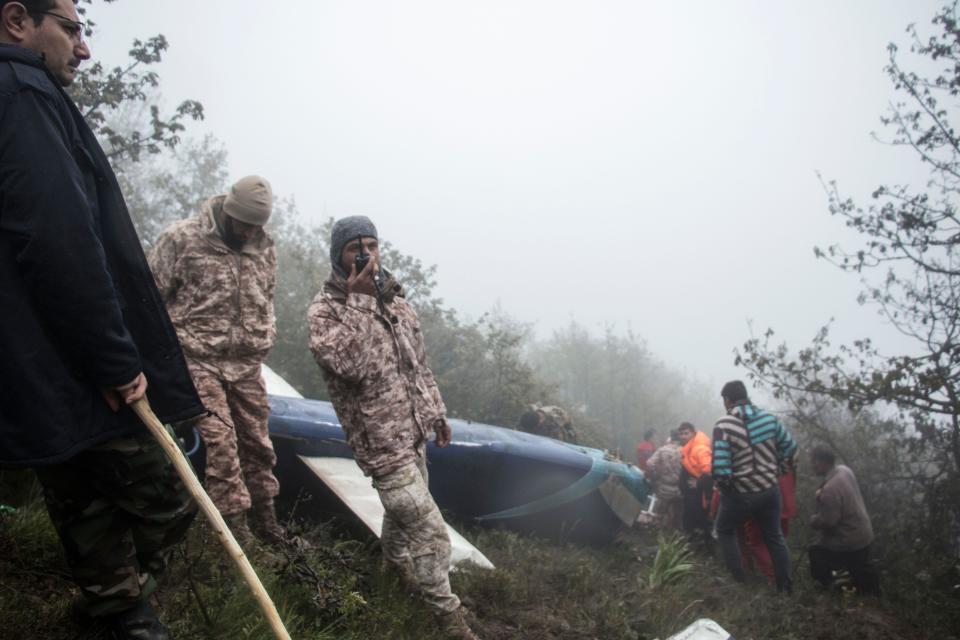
[[240, 456], [118, 507], [414, 532]]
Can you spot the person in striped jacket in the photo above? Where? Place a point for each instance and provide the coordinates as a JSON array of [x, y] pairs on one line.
[[750, 450]]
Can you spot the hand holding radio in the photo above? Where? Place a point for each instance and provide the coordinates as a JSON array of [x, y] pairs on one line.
[[363, 273]]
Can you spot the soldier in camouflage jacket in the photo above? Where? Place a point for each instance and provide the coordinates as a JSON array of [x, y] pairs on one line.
[[664, 469], [216, 272], [550, 421], [371, 353], [220, 298], [375, 367]]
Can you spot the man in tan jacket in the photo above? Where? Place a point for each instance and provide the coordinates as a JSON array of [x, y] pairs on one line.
[[216, 272], [366, 338]]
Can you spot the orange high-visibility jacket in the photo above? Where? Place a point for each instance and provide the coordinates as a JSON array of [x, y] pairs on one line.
[[697, 455]]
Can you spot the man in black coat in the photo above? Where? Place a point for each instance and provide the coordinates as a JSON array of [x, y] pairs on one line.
[[83, 330]]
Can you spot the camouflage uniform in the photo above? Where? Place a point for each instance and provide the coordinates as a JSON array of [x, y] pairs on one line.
[[664, 469], [556, 424], [221, 303], [414, 533], [239, 460], [375, 367], [118, 508], [374, 363]]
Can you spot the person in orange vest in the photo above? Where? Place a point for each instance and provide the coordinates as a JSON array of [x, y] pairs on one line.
[[696, 483]]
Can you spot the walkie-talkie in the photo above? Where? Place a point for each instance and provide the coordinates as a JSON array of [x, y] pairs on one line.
[[362, 259]]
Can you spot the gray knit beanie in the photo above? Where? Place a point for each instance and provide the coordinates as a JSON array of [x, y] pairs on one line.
[[250, 200], [345, 230]]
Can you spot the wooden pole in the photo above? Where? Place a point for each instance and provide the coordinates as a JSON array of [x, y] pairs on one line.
[[143, 410]]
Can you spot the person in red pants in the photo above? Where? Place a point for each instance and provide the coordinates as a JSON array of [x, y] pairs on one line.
[[753, 551]]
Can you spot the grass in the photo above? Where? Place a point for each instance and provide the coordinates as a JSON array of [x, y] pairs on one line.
[[640, 587]]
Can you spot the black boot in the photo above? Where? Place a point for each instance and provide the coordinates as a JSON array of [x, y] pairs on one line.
[[138, 623]]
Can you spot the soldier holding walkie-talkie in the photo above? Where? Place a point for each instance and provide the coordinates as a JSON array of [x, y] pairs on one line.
[[366, 338]]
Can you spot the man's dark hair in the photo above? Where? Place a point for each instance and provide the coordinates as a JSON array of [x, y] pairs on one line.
[[675, 435], [529, 420], [649, 434], [823, 453], [734, 391], [686, 426], [34, 7]]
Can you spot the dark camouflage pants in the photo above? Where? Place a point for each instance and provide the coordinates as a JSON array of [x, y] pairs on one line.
[[118, 508], [414, 533], [240, 456]]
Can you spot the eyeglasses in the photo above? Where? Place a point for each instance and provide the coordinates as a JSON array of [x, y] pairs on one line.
[[74, 28]]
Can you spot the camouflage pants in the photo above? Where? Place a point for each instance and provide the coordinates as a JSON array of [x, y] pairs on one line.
[[414, 532], [670, 509], [118, 508], [240, 456]]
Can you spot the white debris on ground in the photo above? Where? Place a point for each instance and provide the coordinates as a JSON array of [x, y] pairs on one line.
[[703, 629]]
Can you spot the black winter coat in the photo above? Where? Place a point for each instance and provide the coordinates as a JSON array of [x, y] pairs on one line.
[[78, 305]]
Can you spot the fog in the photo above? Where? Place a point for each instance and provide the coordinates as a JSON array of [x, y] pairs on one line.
[[644, 165]]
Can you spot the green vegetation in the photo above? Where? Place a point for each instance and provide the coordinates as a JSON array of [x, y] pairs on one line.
[[674, 561], [642, 586]]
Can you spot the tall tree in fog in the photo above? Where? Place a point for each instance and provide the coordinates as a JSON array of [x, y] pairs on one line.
[[615, 381], [302, 266], [101, 90], [122, 104], [481, 366], [909, 259], [161, 189]]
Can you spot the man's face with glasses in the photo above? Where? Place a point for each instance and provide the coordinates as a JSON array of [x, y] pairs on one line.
[[59, 37]]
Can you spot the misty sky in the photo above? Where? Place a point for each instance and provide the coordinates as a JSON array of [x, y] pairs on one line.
[[645, 165]]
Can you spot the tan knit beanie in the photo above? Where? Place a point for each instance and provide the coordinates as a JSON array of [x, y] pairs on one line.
[[250, 200]]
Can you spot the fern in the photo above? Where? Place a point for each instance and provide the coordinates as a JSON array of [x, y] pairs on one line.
[[673, 561]]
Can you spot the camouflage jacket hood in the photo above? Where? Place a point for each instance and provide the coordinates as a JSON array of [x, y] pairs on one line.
[[221, 301], [374, 363]]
